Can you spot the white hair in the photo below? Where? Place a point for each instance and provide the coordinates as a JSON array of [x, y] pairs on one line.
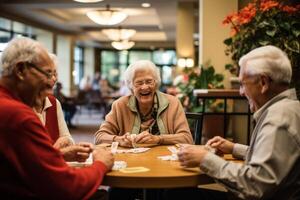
[[268, 60], [18, 50], [141, 65], [54, 59]]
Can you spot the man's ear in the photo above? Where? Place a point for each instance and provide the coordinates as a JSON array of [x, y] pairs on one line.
[[19, 70], [265, 83]]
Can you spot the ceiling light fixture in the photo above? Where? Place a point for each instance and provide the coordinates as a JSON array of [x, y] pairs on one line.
[[146, 5], [88, 1], [107, 16], [119, 34], [185, 62], [122, 45]]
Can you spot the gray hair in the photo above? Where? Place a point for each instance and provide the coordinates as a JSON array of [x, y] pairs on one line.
[[18, 50], [268, 60], [141, 65]]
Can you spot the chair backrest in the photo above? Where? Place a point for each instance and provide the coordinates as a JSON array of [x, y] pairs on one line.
[[195, 121]]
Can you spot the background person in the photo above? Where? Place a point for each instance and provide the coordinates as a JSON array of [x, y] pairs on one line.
[[272, 161], [68, 104], [31, 168], [155, 117]]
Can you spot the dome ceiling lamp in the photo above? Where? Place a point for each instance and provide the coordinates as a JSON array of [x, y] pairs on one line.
[[123, 44], [88, 1], [107, 16], [119, 34]]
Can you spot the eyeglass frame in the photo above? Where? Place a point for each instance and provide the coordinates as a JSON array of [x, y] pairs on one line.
[[148, 82], [49, 75], [242, 83]]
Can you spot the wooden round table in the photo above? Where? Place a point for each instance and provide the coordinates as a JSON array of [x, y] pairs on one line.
[[162, 174]]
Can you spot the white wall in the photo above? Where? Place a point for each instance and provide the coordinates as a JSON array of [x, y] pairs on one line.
[[46, 38], [64, 52], [212, 33]]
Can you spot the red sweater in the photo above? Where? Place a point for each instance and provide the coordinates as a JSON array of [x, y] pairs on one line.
[[29, 166]]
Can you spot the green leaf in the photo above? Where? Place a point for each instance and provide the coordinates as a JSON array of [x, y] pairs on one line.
[[228, 41], [271, 32], [228, 66], [293, 46], [296, 32], [219, 77], [285, 26], [263, 42]]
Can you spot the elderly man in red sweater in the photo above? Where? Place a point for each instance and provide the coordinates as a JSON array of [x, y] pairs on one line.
[[30, 168]]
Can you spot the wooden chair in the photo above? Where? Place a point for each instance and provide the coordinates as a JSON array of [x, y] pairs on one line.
[[195, 121]]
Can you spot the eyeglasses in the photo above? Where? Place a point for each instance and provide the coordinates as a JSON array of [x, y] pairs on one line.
[[48, 74], [251, 79], [147, 82]]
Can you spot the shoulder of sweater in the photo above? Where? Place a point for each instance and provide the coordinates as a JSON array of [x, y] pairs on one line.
[[122, 100], [170, 98]]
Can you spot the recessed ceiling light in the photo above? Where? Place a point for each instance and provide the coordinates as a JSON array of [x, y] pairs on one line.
[[88, 1], [146, 5]]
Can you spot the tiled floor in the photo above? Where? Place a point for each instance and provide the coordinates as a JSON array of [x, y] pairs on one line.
[[87, 123]]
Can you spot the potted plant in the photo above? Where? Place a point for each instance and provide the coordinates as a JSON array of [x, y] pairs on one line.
[[265, 22], [203, 77]]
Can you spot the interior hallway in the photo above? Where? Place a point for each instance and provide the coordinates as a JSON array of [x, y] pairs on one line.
[[87, 123]]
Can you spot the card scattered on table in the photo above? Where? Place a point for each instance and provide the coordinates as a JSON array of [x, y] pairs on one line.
[[134, 150], [119, 164], [173, 156], [134, 169]]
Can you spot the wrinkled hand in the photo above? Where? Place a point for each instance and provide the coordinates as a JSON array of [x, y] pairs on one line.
[[105, 156], [221, 144], [191, 155], [78, 152], [63, 142], [124, 140], [146, 137]]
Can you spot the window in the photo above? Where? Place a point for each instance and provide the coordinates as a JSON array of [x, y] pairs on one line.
[[78, 65], [10, 29], [114, 63]]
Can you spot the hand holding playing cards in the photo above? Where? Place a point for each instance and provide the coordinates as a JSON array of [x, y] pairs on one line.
[[63, 142], [221, 144], [105, 156], [146, 137], [191, 155], [124, 140], [79, 152]]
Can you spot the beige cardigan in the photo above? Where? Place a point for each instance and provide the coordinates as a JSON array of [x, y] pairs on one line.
[[124, 117]]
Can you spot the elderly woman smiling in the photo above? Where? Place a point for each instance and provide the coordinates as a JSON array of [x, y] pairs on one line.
[[154, 117]]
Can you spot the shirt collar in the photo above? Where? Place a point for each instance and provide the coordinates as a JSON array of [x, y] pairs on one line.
[[47, 104], [290, 94]]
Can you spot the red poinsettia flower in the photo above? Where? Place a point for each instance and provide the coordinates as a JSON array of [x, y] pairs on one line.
[[289, 9], [267, 5], [247, 14]]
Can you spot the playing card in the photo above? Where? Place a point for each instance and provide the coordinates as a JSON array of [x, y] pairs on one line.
[[119, 165], [114, 147]]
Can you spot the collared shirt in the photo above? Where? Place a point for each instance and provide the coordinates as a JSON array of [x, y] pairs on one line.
[[272, 160], [62, 126]]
